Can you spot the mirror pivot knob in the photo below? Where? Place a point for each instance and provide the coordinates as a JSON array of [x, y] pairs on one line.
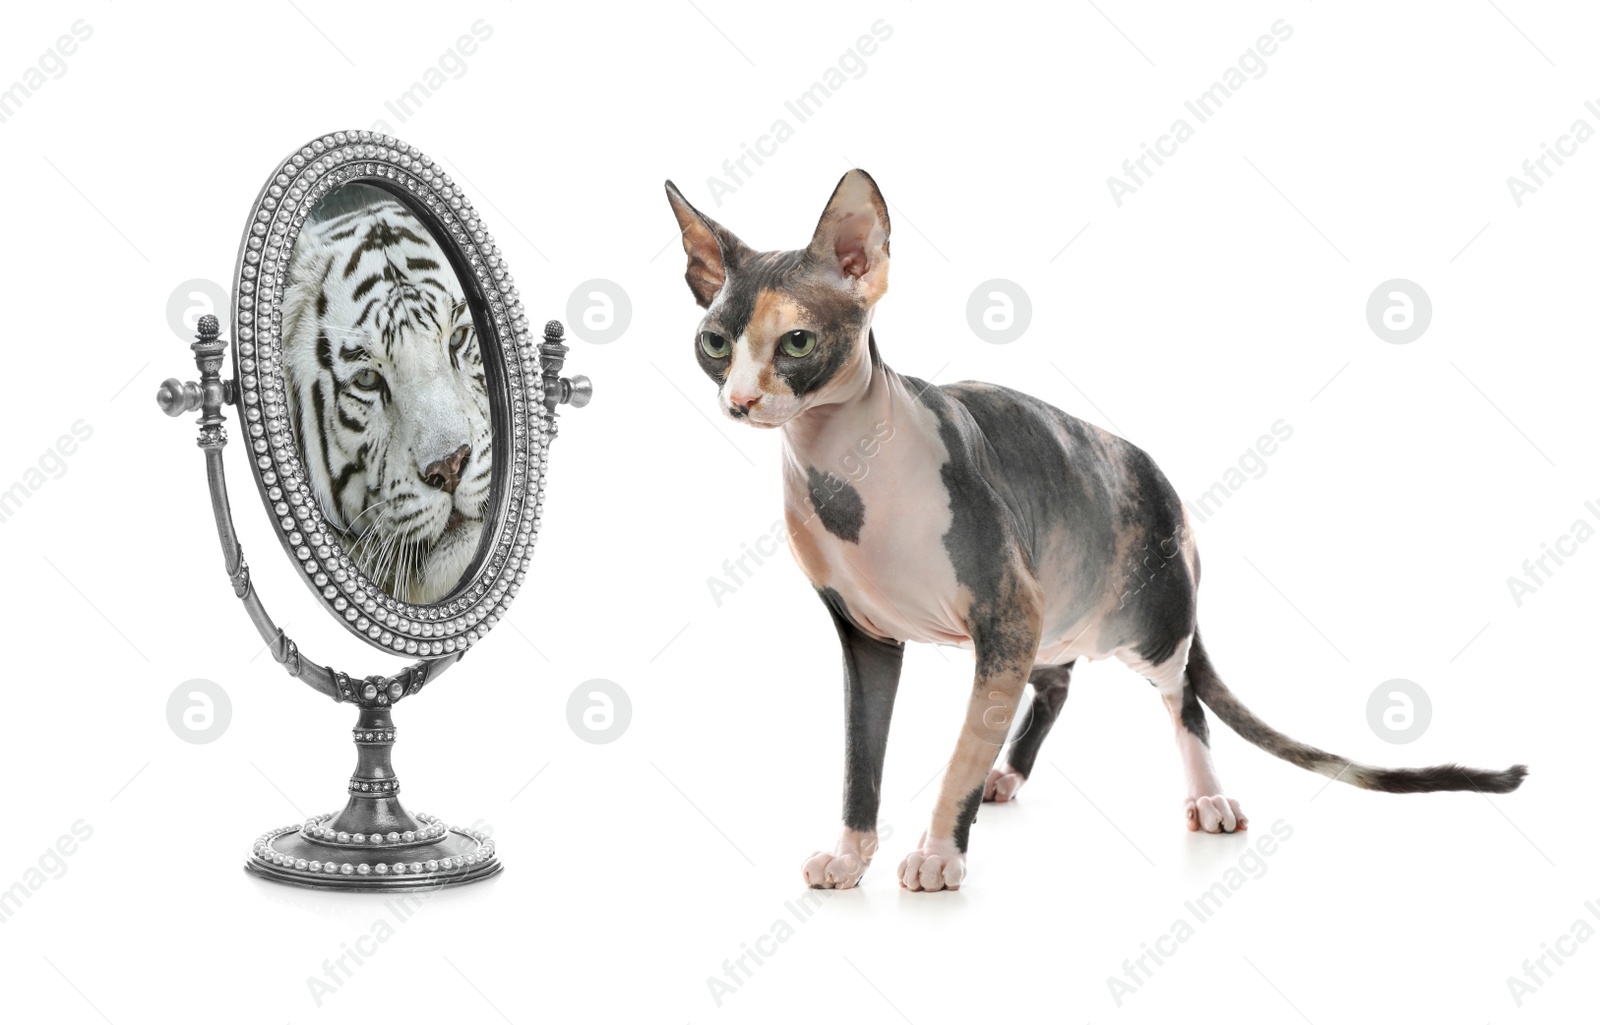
[[577, 390], [177, 397]]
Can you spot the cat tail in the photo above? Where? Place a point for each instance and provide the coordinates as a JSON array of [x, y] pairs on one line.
[[1210, 689]]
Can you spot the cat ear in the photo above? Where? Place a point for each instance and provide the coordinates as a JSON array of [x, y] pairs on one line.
[[711, 248], [853, 235]]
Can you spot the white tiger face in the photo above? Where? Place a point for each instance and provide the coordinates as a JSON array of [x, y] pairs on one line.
[[388, 396]]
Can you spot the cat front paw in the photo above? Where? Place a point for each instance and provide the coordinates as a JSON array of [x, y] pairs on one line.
[[1214, 814], [829, 870], [842, 867], [934, 865], [1003, 784]]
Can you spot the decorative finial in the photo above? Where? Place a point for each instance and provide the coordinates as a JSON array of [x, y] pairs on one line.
[[577, 390], [552, 355]]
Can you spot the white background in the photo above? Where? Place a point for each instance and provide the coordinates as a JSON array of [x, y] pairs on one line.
[[1225, 294]]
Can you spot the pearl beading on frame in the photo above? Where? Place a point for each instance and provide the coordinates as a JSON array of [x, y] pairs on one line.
[[427, 631], [263, 851], [315, 828]]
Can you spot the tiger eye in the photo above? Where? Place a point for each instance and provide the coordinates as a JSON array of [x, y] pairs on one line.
[[368, 379]]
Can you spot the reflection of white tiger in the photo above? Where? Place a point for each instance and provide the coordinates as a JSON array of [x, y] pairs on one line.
[[387, 396]]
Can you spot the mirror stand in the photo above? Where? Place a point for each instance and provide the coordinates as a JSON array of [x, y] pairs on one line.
[[396, 408], [374, 843]]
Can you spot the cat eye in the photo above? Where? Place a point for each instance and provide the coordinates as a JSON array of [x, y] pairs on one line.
[[714, 345], [798, 343], [368, 379]]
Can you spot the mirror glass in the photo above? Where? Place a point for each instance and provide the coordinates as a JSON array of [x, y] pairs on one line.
[[386, 392], [390, 388]]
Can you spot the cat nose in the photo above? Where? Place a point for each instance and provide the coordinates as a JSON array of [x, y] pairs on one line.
[[445, 474], [743, 402]]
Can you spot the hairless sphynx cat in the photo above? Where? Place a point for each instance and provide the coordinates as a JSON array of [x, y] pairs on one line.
[[966, 514]]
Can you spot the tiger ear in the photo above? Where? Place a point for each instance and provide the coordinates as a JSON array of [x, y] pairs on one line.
[[301, 298], [712, 249], [852, 236]]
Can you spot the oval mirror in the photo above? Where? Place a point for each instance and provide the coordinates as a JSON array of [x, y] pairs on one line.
[[390, 389], [396, 413]]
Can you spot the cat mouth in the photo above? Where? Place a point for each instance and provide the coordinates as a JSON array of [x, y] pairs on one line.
[[765, 424]]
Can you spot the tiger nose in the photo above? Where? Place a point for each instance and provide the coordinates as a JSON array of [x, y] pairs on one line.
[[445, 474]]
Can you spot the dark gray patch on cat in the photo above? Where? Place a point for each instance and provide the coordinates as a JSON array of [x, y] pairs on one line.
[[716, 369], [806, 374], [1194, 717], [966, 815], [836, 316], [1056, 476], [838, 504], [871, 678], [979, 540], [1063, 479], [836, 605], [1158, 605], [1049, 695], [753, 273]]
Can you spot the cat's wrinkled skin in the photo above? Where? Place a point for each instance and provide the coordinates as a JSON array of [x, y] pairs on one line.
[[966, 514]]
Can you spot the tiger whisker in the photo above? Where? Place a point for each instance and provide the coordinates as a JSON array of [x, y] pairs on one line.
[[376, 505]]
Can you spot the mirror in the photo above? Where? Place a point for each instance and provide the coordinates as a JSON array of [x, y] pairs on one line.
[[387, 393], [397, 414], [392, 390]]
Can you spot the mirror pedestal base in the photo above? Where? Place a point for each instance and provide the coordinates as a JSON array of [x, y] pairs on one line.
[[457, 856], [373, 843]]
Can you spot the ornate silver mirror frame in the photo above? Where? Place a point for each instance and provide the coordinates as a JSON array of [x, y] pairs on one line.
[[374, 842]]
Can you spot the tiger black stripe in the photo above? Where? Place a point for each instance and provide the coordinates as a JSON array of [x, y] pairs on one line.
[[319, 406], [351, 469], [368, 285]]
